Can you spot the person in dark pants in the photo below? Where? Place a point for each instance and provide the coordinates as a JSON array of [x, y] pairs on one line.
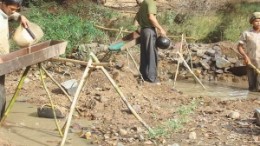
[[8, 10], [249, 48], [146, 18]]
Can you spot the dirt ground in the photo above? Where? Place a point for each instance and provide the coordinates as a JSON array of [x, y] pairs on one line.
[[175, 117]]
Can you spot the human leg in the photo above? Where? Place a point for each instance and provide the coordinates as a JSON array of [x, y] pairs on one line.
[[252, 78], [2, 96], [149, 55]]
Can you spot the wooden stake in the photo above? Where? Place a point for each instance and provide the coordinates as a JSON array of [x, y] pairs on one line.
[[17, 91], [75, 100], [122, 95], [50, 99]]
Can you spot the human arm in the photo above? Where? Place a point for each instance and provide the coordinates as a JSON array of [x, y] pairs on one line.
[[23, 20], [155, 23], [241, 50]]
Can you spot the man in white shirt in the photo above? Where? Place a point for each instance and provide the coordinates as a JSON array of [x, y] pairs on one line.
[[8, 10]]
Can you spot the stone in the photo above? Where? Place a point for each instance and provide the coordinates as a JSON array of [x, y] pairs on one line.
[[204, 64], [219, 71], [70, 86], [210, 52], [122, 132], [193, 135], [257, 116], [175, 144], [201, 52], [46, 111], [234, 115], [221, 62], [232, 59]]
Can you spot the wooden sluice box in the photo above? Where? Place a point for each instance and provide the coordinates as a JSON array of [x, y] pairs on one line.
[[31, 55]]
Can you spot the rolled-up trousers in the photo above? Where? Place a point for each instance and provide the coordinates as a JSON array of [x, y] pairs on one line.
[[149, 54]]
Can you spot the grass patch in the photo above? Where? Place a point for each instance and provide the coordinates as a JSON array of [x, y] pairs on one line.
[[173, 125]]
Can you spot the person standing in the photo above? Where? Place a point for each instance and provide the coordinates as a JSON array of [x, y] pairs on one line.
[[249, 48], [146, 18], [8, 10]]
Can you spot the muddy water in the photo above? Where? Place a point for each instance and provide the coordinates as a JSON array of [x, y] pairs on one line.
[[224, 91], [25, 128]]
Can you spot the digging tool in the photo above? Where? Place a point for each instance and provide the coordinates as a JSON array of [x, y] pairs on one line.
[[256, 69], [127, 41], [30, 32]]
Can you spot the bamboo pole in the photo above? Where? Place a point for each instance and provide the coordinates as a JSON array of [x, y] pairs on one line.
[[126, 31], [178, 64], [122, 95], [256, 69], [187, 66], [80, 62], [17, 91], [50, 99], [67, 95], [135, 64], [75, 100]]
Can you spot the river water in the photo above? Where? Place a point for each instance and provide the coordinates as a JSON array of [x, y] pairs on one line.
[[224, 91]]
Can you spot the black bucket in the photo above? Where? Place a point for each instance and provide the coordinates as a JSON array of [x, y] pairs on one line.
[[238, 70]]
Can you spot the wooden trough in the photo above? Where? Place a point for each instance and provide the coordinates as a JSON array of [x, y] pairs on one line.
[[31, 55]]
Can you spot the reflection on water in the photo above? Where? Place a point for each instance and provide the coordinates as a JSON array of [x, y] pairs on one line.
[[224, 91]]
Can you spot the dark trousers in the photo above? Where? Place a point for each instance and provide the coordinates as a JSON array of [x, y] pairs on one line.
[[2, 96], [149, 54], [253, 79]]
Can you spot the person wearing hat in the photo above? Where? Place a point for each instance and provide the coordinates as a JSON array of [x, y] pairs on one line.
[[249, 47], [146, 18], [8, 10]]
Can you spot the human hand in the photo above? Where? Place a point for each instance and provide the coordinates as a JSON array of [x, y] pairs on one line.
[[24, 21], [163, 32], [247, 60]]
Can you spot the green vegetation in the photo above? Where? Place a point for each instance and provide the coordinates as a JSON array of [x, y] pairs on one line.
[[76, 23], [59, 24], [173, 125], [225, 24]]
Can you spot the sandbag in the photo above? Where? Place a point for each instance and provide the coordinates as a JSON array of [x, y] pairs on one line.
[[23, 38]]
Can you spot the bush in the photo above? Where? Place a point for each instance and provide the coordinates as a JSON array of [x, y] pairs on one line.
[[60, 26]]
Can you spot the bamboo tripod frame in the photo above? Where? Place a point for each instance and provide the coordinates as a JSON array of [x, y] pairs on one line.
[[87, 72], [92, 63], [179, 53]]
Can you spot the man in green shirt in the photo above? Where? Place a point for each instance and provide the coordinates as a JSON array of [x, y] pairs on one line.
[[146, 18]]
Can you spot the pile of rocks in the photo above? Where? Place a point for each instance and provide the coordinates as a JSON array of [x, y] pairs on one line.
[[205, 59]]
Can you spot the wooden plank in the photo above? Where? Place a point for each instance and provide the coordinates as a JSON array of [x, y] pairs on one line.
[[31, 55]]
